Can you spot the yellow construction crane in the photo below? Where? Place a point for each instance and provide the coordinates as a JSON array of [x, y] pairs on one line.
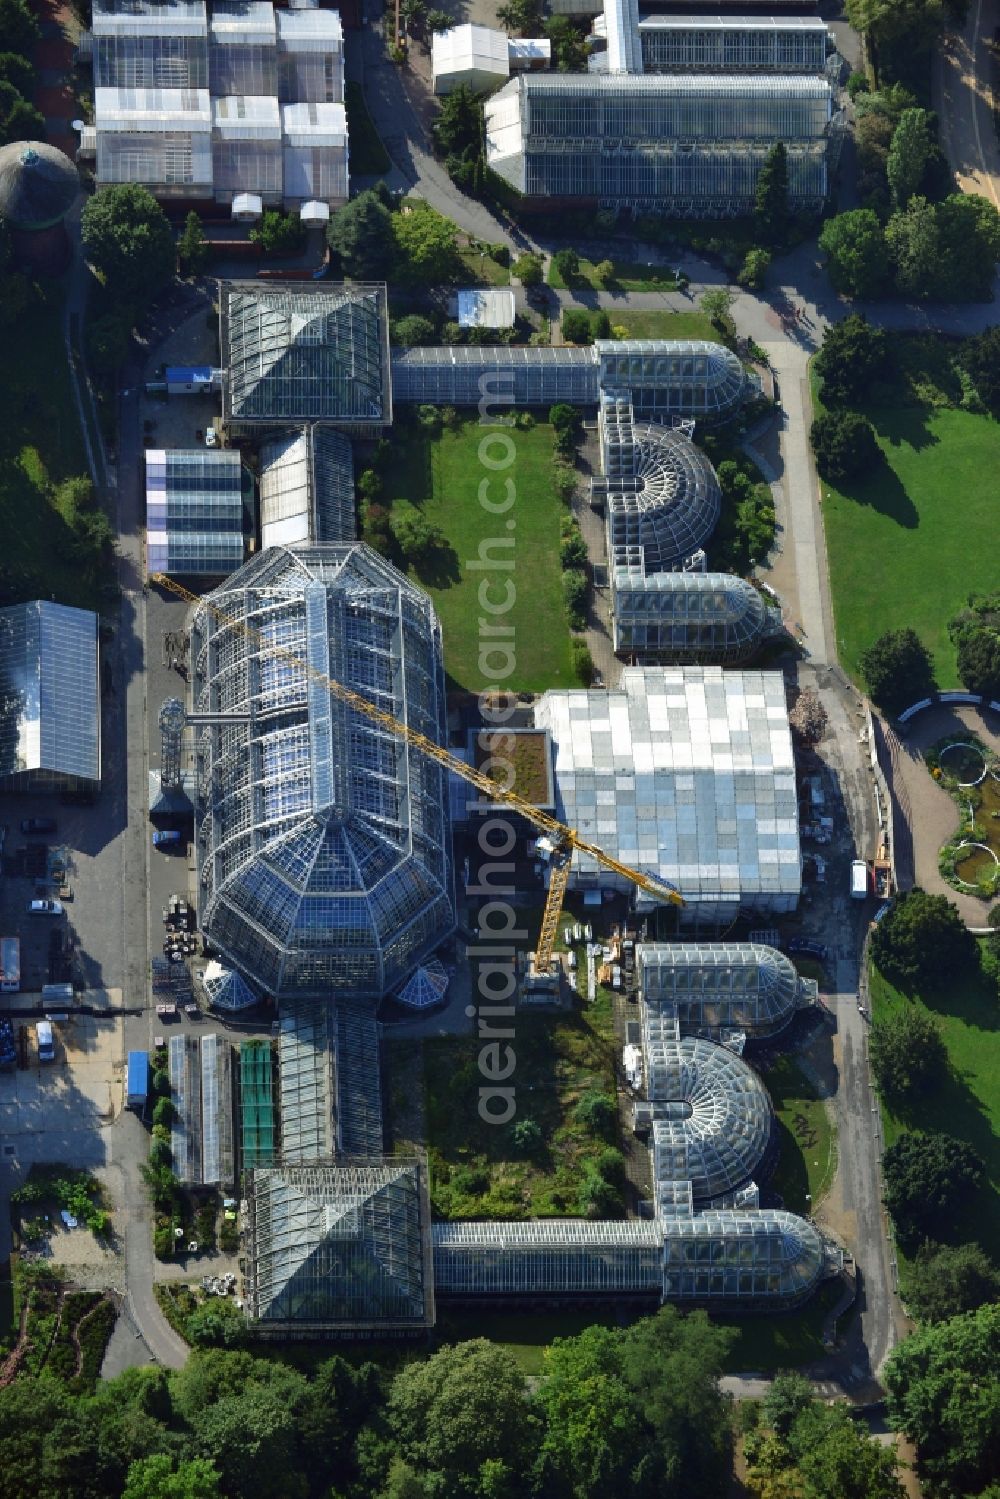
[[558, 841]]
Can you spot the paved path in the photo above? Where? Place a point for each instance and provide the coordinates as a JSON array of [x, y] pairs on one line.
[[962, 85]]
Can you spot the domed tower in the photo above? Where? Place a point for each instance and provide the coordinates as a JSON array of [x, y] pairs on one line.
[[38, 187]]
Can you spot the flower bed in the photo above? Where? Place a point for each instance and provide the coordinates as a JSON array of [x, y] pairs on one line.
[[970, 772]]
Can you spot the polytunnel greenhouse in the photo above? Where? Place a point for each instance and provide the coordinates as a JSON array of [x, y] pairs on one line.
[[323, 842]]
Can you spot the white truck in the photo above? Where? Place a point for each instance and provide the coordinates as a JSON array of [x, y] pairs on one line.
[[859, 879]]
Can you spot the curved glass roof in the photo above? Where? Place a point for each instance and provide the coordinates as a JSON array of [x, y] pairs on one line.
[[719, 986], [736, 1255], [711, 1113], [323, 841], [680, 617], [666, 502]]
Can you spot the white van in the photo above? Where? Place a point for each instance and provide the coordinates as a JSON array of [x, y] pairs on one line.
[[46, 1043], [859, 879]]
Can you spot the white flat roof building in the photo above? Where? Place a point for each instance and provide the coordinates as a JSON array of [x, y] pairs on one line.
[[687, 772], [486, 307], [476, 56]]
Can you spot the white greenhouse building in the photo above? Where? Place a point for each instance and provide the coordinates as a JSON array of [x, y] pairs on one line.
[[242, 106]]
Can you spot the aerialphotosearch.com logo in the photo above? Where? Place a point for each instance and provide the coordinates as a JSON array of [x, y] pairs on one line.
[[494, 955]]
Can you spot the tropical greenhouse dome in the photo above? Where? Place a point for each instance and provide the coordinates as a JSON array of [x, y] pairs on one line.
[[671, 618], [711, 1112], [663, 498], [717, 986], [323, 841]]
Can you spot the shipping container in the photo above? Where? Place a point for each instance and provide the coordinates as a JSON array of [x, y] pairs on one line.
[[137, 1081]]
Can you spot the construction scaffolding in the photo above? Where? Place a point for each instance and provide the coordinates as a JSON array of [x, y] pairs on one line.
[[258, 1124], [324, 843]]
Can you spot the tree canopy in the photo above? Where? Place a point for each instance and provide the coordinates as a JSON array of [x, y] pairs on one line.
[[802, 1448], [129, 241], [944, 1392], [360, 235], [921, 941], [909, 153], [947, 1280], [844, 445], [426, 246], [897, 671], [854, 354], [908, 1055], [926, 1176], [857, 256], [976, 633], [771, 213]]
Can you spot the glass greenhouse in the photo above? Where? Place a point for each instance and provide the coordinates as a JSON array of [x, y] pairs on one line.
[[50, 696], [159, 137], [305, 1077], [697, 141], [662, 496], [194, 511], [306, 488], [548, 1256], [315, 154], [246, 147], [717, 986], [711, 1114], [685, 771], [150, 44], [310, 57], [339, 1248], [243, 41], [738, 44], [660, 376], [308, 353], [324, 843], [680, 618], [763, 1256], [359, 1089]]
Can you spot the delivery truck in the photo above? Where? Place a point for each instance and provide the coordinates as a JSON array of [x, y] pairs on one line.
[[137, 1081]]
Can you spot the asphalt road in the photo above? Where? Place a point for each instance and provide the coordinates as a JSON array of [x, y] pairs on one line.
[[963, 99]]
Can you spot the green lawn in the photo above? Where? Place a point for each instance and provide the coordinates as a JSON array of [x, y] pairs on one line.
[[482, 270], [808, 1159], [443, 477], [40, 445], [369, 158], [664, 324], [932, 510], [768, 1343], [628, 276], [967, 1101]]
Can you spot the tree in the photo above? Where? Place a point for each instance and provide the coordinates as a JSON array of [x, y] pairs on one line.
[[912, 143], [980, 358], [19, 30], [252, 1438], [921, 940], [907, 1054], [943, 1385], [771, 197], [426, 246], [418, 540], [897, 671], [192, 247], [528, 269], [19, 120], [278, 233], [969, 236], [156, 1477], [576, 326], [717, 304], [128, 241], [569, 48], [925, 1178], [976, 634], [598, 1114], [854, 354], [754, 271], [844, 445], [108, 340], [18, 71], [914, 241], [527, 1137], [217, 1323], [360, 235], [604, 270], [947, 1280], [163, 1111], [856, 253], [458, 1411], [565, 420], [439, 20], [458, 129], [413, 330], [567, 264]]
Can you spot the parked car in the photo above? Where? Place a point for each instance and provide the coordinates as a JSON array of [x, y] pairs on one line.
[[211, 437], [38, 825], [807, 947], [45, 908], [46, 1041], [167, 838]]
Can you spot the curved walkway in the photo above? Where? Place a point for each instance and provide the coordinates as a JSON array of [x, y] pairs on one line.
[[934, 814], [962, 91]]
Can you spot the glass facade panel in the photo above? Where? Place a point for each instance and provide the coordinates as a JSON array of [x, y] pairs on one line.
[[50, 702]]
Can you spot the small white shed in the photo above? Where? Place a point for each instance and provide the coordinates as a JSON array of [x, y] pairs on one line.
[[474, 55]]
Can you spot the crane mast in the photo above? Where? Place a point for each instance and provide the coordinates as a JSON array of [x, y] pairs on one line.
[[565, 841]]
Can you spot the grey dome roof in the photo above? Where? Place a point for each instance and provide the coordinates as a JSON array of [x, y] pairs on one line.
[[38, 185]]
